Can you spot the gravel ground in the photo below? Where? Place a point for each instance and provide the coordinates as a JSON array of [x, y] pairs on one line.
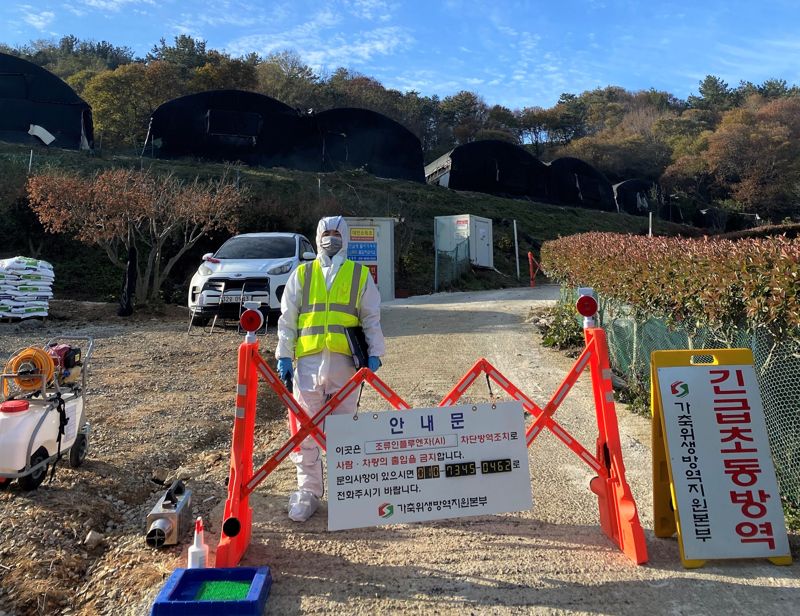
[[160, 402]]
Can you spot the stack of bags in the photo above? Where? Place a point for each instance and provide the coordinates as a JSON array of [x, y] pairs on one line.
[[26, 287]]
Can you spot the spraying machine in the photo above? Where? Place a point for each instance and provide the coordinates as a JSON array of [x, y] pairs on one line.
[[171, 517], [42, 410]]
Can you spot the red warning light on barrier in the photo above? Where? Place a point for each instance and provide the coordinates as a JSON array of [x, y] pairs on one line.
[[586, 305], [251, 320]]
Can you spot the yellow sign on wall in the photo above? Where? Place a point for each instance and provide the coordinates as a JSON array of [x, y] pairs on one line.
[[713, 478], [362, 234]]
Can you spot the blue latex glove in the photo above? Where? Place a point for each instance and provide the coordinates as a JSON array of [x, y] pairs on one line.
[[373, 363], [285, 368]]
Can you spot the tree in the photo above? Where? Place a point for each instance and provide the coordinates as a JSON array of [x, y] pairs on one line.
[[119, 113], [71, 55], [755, 153], [715, 96], [502, 123], [533, 123], [641, 121], [286, 77], [465, 113], [688, 178], [602, 108], [350, 89], [746, 89], [659, 99], [124, 99], [78, 81], [567, 120], [222, 72], [776, 88], [422, 117], [121, 208], [621, 155], [681, 132], [187, 53]]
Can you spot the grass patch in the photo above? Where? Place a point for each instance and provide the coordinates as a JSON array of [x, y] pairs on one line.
[[560, 329]]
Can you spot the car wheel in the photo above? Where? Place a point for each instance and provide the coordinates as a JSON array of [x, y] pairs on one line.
[[77, 453], [35, 479]]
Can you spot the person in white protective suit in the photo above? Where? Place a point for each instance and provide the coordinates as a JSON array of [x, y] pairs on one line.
[[321, 299]]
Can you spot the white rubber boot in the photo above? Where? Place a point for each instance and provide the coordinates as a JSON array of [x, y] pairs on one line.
[[302, 505]]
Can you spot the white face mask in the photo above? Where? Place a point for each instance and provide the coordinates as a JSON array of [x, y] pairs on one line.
[[330, 244]]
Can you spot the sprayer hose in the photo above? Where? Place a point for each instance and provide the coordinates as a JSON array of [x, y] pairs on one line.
[[29, 364]]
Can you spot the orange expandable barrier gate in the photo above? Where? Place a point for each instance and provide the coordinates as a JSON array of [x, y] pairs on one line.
[[237, 517], [619, 518], [533, 271]]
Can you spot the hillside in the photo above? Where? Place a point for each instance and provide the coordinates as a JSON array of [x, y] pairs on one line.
[[280, 199]]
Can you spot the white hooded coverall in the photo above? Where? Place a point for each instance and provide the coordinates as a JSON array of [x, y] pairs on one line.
[[319, 376]]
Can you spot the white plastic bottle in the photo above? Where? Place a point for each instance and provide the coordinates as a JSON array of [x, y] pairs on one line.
[[198, 551]]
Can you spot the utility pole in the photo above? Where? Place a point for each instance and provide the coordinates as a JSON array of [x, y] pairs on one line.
[[435, 260]]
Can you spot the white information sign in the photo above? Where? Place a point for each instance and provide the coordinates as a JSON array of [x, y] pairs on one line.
[[727, 495], [395, 467]]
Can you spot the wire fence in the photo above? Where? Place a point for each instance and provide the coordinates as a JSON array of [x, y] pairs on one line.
[[451, 265], [777, 366]]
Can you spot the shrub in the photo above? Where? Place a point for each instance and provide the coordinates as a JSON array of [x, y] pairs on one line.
[[718, 284], [561, 329]]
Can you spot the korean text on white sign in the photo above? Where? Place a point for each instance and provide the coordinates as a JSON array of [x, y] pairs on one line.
[[395, 467], [727, 495]]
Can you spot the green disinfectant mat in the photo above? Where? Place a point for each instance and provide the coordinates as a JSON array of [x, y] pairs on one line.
[[222, 590]]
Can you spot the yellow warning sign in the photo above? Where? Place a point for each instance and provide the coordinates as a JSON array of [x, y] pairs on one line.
[[362, 234]]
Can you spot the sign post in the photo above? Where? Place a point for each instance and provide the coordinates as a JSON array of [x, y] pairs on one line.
[[371, 242], [516, 247], [711, 459], [426, 464]]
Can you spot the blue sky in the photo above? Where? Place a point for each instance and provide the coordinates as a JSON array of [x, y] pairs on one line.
[[515, 53]]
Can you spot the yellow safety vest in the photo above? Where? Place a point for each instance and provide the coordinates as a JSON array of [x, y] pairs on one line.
[[324, 314]]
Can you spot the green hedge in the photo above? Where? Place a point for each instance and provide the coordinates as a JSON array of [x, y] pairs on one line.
[[691, 282]]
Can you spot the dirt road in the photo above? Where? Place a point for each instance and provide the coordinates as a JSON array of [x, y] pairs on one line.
[[160, 399]]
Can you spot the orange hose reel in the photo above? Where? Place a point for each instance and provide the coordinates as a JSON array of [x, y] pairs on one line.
[[29, 365]]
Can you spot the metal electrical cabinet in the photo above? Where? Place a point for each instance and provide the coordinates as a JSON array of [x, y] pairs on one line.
[[371, 243], [452, 230]]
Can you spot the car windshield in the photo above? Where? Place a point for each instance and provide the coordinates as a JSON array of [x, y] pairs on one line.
[[257, 248]]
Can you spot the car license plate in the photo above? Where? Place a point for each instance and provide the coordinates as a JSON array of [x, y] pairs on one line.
[[235, 299]]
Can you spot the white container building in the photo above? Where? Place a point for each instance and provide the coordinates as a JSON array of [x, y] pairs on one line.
[[449, 231]]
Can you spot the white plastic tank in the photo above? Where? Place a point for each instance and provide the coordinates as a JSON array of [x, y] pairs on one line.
[[18, 431], [452, 230], [371, 243]]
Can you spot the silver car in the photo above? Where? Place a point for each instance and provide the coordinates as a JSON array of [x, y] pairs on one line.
[[248, 267]]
